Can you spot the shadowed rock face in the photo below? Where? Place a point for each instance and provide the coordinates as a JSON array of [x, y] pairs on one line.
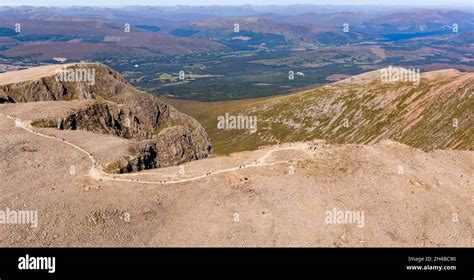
[[162, 135], [172, 147], [105, 117]]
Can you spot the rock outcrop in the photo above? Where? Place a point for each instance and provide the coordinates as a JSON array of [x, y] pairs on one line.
[[172, 146], [4, 98], [162, 136]]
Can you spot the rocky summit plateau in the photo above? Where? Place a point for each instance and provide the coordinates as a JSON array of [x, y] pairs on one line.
[[95, 98]]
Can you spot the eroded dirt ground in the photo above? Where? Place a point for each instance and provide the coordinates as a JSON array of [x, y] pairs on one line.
[[275, 196]]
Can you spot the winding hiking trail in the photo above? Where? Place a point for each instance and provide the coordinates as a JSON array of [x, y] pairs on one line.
[[96, 172]]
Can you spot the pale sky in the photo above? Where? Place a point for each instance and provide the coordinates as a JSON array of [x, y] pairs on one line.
[[232, 2]]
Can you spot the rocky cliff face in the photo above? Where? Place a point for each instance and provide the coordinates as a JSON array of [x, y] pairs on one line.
[[4, 98], [171, 147], [105, 117], [163, 136]]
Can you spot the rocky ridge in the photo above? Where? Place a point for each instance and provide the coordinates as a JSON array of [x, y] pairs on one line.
[[159, 134]]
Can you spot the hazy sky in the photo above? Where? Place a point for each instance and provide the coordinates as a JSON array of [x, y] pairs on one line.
[[230, 2]]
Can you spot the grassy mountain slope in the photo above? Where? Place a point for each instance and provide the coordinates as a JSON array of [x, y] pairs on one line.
[[436, 114]]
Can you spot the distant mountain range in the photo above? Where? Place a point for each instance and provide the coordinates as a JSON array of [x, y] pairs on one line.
[[91, 33]]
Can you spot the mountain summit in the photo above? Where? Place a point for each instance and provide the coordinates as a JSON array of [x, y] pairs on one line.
[[93, 97]]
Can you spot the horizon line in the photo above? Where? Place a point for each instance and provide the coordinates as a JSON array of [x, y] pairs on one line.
[[242, 5]]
